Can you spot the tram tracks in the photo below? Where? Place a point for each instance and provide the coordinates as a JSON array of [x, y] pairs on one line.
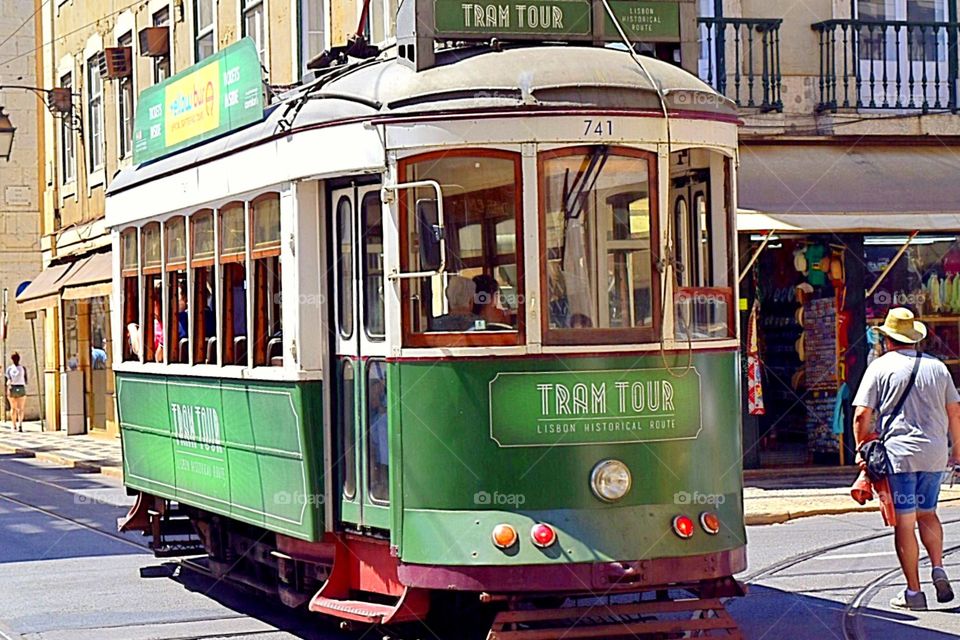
[[856, 607]]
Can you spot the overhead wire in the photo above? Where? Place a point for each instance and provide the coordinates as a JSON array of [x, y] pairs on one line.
[[668, 263]]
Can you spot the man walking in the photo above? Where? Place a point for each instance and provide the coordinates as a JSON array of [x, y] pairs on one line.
[[917, 405]]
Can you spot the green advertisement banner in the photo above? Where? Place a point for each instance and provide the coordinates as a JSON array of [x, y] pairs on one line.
[[593, 407], [555, 19], [215, 96]]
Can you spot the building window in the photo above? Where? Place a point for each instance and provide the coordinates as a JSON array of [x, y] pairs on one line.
[[68, 152], [203, 44], [312, 24], [94, 113], [161, 65], [253, 27], [125, 106]]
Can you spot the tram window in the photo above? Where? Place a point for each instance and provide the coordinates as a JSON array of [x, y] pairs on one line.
[[234, 279], [268, 332], [345, 422], [177, 323], [701, 228], [345, 266], [377, 445], [204, 288], [598, 253], [373, 289], [132, 343], [480, 291], [153, 341]]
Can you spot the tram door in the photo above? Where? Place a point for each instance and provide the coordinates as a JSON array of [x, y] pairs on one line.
[[361, 395]]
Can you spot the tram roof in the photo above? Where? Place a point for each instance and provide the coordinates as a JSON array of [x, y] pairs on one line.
[[475, 78]]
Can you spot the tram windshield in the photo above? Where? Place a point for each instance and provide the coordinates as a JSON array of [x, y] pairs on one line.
[[479, 291], [597, 237]]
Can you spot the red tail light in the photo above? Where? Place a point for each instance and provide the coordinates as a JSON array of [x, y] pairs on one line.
[[543, 535], [683, 527]]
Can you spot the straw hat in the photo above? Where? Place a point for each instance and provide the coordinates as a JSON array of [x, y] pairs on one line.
[[901, 326]]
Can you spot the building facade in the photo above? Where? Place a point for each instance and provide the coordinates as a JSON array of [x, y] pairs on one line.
[[20, 193], [848, 199], [106, 56]]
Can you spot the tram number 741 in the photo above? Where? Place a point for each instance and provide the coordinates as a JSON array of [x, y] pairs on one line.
[[598, 127]]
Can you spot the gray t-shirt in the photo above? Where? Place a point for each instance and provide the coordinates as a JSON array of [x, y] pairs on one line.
[[917, 439]]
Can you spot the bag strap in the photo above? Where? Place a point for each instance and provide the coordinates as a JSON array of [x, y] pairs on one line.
[[903, 397]]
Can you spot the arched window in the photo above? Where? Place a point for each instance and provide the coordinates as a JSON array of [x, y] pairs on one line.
[[130, 290], [267, 329], [153, 336], [178, 323], [204, 288], [233, 269]]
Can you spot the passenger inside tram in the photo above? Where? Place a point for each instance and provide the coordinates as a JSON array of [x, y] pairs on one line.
[[461, 294]]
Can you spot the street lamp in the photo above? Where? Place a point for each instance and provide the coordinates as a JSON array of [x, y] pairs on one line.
[[6, 135]]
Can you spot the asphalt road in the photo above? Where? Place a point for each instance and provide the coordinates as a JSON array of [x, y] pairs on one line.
[[65, 575]]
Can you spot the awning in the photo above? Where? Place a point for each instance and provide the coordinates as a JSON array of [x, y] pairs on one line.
[[849, 188], [44, 291], [90, 278]]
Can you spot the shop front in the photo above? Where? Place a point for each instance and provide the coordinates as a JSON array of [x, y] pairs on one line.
[[822, 262], [74, 296]]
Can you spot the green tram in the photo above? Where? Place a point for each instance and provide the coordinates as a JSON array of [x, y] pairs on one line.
[[469, 329]]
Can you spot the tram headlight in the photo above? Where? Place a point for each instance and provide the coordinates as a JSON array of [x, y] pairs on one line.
[[610, 480]]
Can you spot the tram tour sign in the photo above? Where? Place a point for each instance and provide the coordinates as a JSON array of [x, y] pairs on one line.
[[555, 19], [533, 409], [215, 96]]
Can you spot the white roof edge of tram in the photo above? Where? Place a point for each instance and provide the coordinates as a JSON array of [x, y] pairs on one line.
[[760, 222], [464, 79]]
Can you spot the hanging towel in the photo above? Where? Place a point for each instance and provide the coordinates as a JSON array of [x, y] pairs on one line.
[[754, 368], [863, 489], [839, 409]]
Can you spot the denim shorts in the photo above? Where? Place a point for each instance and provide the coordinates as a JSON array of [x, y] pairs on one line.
[[915, 491]]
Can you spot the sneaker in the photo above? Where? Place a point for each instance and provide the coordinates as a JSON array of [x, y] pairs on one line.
[[916, 602], [942, 584]]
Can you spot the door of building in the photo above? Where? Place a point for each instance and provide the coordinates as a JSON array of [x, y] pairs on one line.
[[902, 53]]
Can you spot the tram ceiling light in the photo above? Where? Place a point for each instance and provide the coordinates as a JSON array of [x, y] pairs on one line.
[[543, 535], [7, 130], [610, 480], [683, 527], [504, 536], [710, 522]]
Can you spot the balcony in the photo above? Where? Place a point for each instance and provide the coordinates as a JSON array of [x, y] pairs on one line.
[[752, 45], [889, 64]]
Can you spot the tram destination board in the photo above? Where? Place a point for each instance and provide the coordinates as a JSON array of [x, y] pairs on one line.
[[215, 96], [555, 20], [594, 407]]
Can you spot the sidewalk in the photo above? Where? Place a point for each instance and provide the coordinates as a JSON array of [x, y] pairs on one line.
[[769, 496], [94, 454]]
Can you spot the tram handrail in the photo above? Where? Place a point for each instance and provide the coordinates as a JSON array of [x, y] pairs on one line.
[[387, 198]]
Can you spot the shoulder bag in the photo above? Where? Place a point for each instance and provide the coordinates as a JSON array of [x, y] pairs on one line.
[[874, 452]]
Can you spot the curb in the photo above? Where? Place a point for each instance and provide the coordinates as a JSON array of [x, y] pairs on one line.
[[73, 463], [785, 516]]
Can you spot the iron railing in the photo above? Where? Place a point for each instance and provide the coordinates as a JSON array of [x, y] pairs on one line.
[[887, 64], [752, 77]]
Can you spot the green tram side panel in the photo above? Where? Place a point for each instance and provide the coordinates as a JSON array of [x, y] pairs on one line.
[[463, 474], [248, 450]]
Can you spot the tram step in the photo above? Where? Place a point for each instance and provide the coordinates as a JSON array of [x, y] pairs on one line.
[[697, 618], [358, 610]]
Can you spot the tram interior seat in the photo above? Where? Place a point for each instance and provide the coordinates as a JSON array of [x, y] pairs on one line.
[[183, 349], [239, 350], [211, 350], [275, 352]]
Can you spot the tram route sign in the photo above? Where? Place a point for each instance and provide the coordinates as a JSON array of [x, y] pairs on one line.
[[215, 96], [564, 408], [555, 19]]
